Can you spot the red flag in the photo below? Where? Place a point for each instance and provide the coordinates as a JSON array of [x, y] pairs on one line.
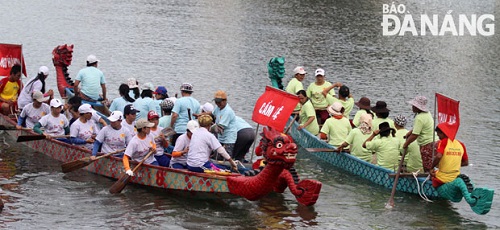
[[274, 107], [448, 111], [10, 55]]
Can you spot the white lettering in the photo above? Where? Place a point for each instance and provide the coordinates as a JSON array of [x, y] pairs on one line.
[[386, 24], [448, 26], [408, 26], [490, 27], [426, 23]]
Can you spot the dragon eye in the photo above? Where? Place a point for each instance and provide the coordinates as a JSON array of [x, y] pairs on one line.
[[279, 145]]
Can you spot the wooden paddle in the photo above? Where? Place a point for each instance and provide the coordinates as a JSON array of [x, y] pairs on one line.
[[119, 185], [80, 163], [390, 203], [3, 127], [36, 137], [313, 150]]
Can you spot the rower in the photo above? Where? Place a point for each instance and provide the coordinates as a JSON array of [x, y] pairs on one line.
[[112, 137]]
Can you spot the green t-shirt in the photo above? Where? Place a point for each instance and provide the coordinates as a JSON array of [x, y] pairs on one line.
[[357, 116], [387, 150], [347, 104], [293, 87], [377, 121], [307, 111], [413, 158], [315, 93], [355, 139], [424, 128], [336, 130]]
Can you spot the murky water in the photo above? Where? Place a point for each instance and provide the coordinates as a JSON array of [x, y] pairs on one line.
[[226, 45]]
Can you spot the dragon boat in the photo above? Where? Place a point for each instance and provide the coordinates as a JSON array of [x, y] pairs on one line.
[[480, 199]]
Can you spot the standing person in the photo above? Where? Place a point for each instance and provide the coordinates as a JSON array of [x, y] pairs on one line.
[[118, 104], [160, 94], [179, 154], [245, 136], [357, 137], [337, 127], [387, 147], [146, 102], [91, 81], [201, 146], [423, 131], [184, 110], [160, 140], [413, 160], [307, 114], [140, 145], [364, 108], [34, 84], [83, 130], [10, 88], [133, 86], [299, 73], [225, 121], [166, 107], [382, 114], [54, 123], [315, 93], [33, 111], [112, 137], [130, 113]]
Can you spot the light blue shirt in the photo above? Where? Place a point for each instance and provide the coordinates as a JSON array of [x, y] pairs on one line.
[[118, 104], [227, 119], [144, 105], [241, 124], [181, 107], [91, 79], [164, 121]]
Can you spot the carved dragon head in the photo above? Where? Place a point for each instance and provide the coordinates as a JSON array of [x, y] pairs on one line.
[[62, 55], [277, 148]]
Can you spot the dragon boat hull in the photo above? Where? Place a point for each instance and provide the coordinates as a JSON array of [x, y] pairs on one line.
[[363, 169]]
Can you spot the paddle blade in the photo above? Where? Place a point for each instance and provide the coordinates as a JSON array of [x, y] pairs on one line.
[[74, 165], [312, 150], [30, 138], [3, 127], [119, 185]]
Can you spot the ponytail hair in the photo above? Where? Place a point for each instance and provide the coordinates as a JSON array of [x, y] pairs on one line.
[[124, 89]]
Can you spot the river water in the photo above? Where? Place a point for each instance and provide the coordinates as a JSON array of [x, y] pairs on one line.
[[226, 45]]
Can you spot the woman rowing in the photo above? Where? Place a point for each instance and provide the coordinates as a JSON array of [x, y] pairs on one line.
[[112, 137], [54, 124], [337, 127], [181, 149], [118, 104], [140, 145], [33, 111], [386, 148], [83, 130], [357, 137]]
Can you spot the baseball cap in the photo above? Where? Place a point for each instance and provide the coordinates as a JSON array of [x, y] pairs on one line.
[[92, 59], [55, 103], [44, 70], [207, 107], [85, 108], [132, 83], [115, 116], [129, 109], [220, 95], [152, 114], [160, 90], [148, 86], [192, 125], [319, 72], [299, 70], [142, 123], [37, 95], [187, 87]]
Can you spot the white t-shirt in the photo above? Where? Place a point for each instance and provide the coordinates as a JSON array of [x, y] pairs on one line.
[[137, 149], [181, 144], [159, 147], [33, 115], [131, 128], [83, 131], [25, 95], [112, 139], [202, 144], [54, 125]]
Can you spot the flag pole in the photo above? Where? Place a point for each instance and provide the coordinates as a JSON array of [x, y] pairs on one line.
[[435, 125]]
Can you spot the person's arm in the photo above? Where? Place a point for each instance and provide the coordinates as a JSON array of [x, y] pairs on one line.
[[222, 151], [103, 86], [311, 119], [342, 146], [103, 122], [20, 121], [173, 119], [409, 140], [370, 138], [97, 145], [126, 165], [37, 129], [75, 88]]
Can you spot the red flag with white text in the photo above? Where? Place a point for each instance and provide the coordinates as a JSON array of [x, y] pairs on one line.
[[273, 108], [448, 111], [11, 54]]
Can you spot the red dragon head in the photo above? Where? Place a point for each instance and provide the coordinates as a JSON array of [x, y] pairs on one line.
[[62, 55], [277, 148]]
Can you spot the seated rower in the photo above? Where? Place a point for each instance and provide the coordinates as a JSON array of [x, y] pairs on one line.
[[387, 147], [54, 123], [112, 137], [83, 130], [160, 140], [130, 113], [202, 144], [140, 145], [337, 127], [357, 137], [181, 148], [10, 88], [33, 111]]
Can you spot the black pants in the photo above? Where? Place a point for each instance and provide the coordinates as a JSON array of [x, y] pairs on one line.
[[244, 141]]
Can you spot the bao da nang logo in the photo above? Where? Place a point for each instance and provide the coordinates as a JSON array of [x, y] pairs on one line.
[[397, 21]]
